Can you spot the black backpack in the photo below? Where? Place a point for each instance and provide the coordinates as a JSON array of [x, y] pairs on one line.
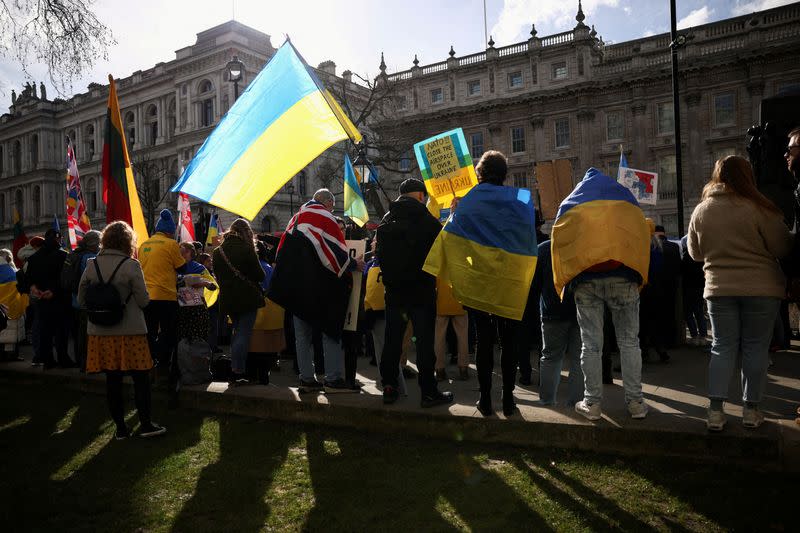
[[103, 303], [71, 272]]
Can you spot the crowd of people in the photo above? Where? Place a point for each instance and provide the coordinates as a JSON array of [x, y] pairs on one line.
[[160, 309]]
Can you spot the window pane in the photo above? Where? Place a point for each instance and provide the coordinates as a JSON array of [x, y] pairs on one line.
[[559, 70], [520, 180], [667, 173], [670, 223], [562, 132], [724, 112], [474, 87], [437, 96], [517, 139], [515, 79], [405, 162], [476, 145], [615, 126], [666, 119]]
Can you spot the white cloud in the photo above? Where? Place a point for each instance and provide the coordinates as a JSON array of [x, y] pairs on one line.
[[514, 21], [696, 17], [749, 6]]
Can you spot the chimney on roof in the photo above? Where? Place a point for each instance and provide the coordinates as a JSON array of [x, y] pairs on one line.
[[347, 76], [328, 67]]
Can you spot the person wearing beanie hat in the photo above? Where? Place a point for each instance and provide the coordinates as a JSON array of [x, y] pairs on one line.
[[161, 258], [405, 237], [71, 273], [165, 224]]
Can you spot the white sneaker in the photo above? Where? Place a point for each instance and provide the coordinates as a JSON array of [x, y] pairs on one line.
[[638, 409], [715, 420], [589, 410], [752, 417]]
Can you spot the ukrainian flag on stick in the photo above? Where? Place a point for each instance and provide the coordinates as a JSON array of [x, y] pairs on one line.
[[599, 222], [354, 206], [487, 250], [119, 189], [284, 120]]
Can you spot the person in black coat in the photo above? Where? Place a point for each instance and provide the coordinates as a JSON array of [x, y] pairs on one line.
[[405, 237], [52, 302]]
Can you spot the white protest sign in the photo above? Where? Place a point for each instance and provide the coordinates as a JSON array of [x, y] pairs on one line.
[[643, 184]]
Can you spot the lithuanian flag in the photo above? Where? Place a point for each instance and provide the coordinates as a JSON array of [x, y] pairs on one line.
[[119, 189]]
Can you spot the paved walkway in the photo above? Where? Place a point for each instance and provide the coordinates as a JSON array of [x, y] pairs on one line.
[[675, 425]]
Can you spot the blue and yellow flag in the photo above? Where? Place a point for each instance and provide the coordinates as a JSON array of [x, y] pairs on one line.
[[599, 222], [15, 302], [213, 229], [354, 206], [487, 250], [284, 120]]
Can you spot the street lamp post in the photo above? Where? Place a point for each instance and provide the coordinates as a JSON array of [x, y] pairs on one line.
[[677, 42], [235, 74]]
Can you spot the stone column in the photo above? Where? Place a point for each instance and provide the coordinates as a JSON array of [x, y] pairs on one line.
[[177, 110]]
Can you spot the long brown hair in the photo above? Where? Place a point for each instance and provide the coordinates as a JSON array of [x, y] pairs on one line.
[[241, 228], [736, 175]]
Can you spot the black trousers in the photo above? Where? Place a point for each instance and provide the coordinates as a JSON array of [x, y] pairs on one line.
[[423, 319], [162, 329], [352, 347], [79, 337], [53, 318], [511, 341], [116, 403]]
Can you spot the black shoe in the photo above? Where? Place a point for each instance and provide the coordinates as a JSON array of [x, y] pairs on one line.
[[309, 386], [485, 407], [339, 386], [153, 430], [436, 398], [525, 380], [608, 380], [390, 395], [122, 433]]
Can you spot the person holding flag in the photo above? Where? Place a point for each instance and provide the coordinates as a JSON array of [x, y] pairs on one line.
[[213, 229], [78, 222], [354, 206]]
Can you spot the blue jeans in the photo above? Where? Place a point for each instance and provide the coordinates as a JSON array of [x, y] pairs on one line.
[[740, 323], [560, 337], [240, 341], [621, 296], [332, 350]]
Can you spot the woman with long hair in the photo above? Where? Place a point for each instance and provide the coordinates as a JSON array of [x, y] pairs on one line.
[[239, 274], [120, 349], [739, 236]]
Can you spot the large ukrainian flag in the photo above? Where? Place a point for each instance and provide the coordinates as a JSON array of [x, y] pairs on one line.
[[284, 120], [599, 222], [15, 302], [487, 250]]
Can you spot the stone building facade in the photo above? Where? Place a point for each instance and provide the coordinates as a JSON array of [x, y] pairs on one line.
[[167, 113], [571, 96]]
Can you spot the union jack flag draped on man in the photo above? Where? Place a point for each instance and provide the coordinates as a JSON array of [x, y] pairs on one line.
[[319, 226], [77, 219]]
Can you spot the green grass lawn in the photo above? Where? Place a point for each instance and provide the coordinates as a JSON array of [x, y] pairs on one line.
[[62, 471]]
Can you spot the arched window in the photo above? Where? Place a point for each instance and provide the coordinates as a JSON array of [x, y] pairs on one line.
[[171, 117], [91, 196], [37, 203], [207, 112], [88, 142], [34, 151], [205, 87], [130, 128], [18, 203], [152, 125], [266, 224], [17, 157]]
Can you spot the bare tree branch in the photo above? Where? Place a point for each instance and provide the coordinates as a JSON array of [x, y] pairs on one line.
[[64, 35]]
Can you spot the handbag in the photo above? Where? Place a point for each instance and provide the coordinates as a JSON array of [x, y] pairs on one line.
[[238, 274]]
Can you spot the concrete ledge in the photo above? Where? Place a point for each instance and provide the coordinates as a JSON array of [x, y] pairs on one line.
[[774, 446]]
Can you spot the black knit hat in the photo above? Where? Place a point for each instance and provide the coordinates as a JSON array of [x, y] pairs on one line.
[[412, 185]]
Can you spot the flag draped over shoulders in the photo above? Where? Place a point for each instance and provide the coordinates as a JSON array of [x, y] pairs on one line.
[[320, 227], [283, 120], [308, 278], [599, 222], [487, 250], [119, 188], [9, 295]]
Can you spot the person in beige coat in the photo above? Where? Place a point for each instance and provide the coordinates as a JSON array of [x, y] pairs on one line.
[[121, 348], [739, 235]]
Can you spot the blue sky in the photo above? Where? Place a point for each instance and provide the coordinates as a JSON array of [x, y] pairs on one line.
[[353, 33]]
